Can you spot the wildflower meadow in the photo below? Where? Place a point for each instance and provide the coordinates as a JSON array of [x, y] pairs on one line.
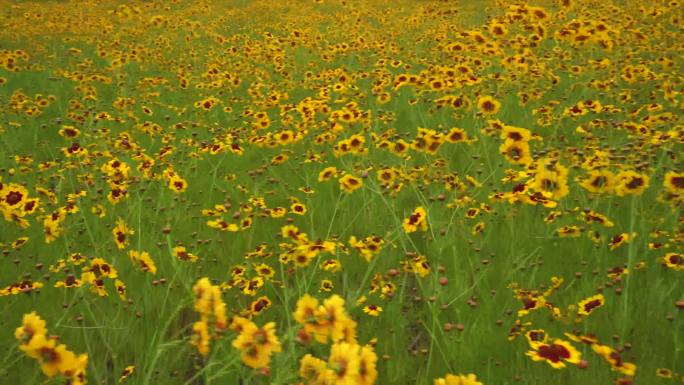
[[341, 192]]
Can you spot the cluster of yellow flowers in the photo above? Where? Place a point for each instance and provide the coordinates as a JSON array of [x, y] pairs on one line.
[[348, 362], [212, 310], [54, 359], [256, 344]]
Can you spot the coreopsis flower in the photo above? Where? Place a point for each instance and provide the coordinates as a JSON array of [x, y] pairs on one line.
[[350, 183], [516, 152], [620, 239], [305, 309], [126, 372], [298, 208], [614, 358], [373, 310], [588, 305], [599, 182], [488, 105], [32, 325], [213, 321], [177, 184], [181, 253], [257, 344], [327, 173], [259, 305], [143, 260], [458, 379], [551, 180], [367, 247], [344, 362], [674, 261], [200, 337], [674, 182], [330, 320], [368, 371], [315, 371], [631, 183], [53, 358], [121, 233], [555, 354], [416, 221]]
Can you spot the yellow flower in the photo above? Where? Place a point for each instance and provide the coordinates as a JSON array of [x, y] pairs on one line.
[[551, 180], [555, 354], [416, 221], [32, 325], [305, 309], [368, 372], [315, 371], [588, 305], [143, 260], [327, 173], [344, 362], [127, 372], [257, 344], [349, 183], [373, 310], [121, 233], [631, 183], [488, 105], [516, 152], [53, 358], [457, 379], [181, 253], [674, 182]]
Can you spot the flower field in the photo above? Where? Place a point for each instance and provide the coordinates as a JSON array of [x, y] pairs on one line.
[[342, 192]]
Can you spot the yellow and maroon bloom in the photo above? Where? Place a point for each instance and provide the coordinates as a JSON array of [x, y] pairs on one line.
[[344, 362], [614, 358], [674, 261], [620, 239], [416, 221], [488, 105], [368, 372], [664, 373], [327, 173], [373, 310], [32, 325], [326, 285], [259, 305], [315, 371], [257, 344], [12, 196], [516, 152], [555, 354], [536, 336], [531, 303], [456, 135], [143, 260], [298, 208], [305, 309], [599, 181], [181, 253], [631, 183], [588, 305], [350, 183], [177, 184], [674, 182], [587, 339], [121, 233], [126, 372]]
